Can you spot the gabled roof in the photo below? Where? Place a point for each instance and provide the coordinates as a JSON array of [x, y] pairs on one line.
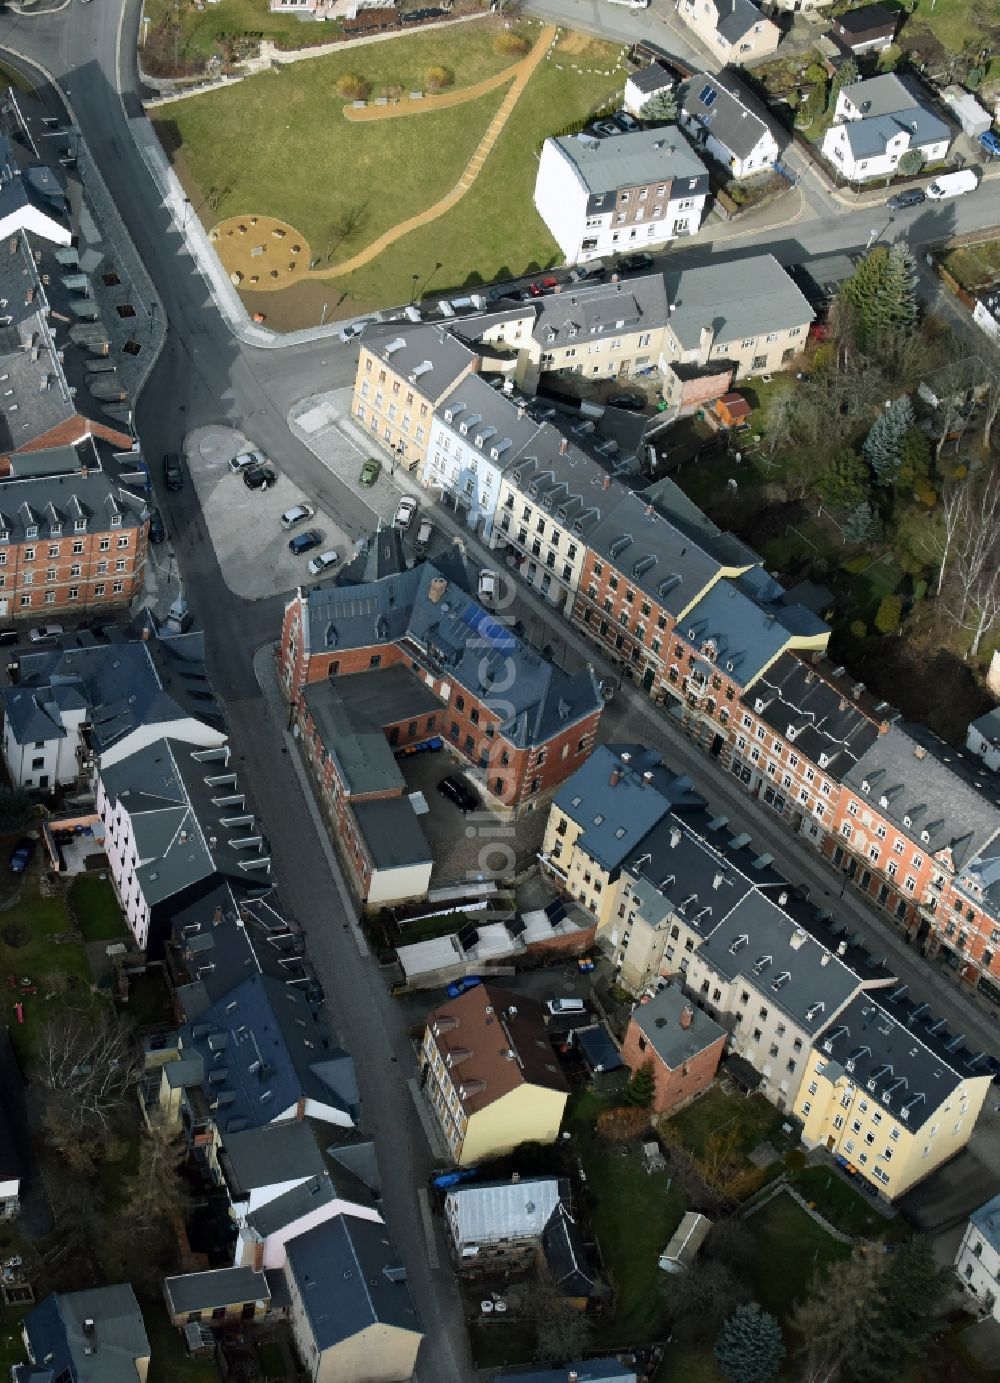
[[987, 1220], [431, 356], [867, 22], [566, 1256], [738, 299], [584, 1370], [591, 311], [492, 1212], [349, 1278], [736, 18], [651, 79], [97, 1334], [662, 1023], [259, 1157], [723, 113], [736, 634], [207, 1291]]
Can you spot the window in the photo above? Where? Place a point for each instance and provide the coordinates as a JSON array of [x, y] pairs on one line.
[[813, 1087]]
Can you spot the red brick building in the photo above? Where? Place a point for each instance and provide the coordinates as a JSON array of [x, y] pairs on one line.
[[683, 1044], [521, 724]]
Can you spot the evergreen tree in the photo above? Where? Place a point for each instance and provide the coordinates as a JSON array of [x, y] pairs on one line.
[[883, 447], [862, 524], [914, 462], [661, 108], [913, 1292], [750, 1348], [845, 482], [910, 163], [642, 1087], [846, 73], [880, 295]]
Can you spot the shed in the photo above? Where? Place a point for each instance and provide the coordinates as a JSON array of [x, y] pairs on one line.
[[688, 1238], [973, 119], [732, 409], [598, 1049]]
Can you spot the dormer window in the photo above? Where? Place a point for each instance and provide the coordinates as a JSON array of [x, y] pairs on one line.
[[883, 801], [116, 521], [55, 529], [824, 760], [79, 525], [925, 837], [907, 821], [865, 785], [31, 531]]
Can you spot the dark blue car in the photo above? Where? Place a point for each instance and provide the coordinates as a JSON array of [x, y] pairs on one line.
[[20, 856], [458, 987], [305, 541]]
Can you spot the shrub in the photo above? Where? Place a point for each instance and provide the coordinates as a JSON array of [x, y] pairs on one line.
[[927, 496], [511, 44], [394, 91], [437, 78], [353, 87], [888, 614], [622, 1124], [919, 591], [795, 1159], [859, 629]]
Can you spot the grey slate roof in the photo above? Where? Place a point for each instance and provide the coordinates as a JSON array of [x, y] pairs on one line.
[[927, 788], [651, 79], [738, 299], [888, 104], [566, 1255], [988, 725], [586, 1371], [259, 1157], [616, 819], [896, 1049], [802, 703], [631, 160], [723, 114], [736, 18], [489, 418], [353, 740], [591, 311], [56, 1328], [659, 1021], [747, 636], [342, 1271], [430, 355], [218, 1287], [392, 833], [51, 489], [987, 1220]]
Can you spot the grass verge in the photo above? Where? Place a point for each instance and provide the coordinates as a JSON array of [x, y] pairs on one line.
[[95, 906]]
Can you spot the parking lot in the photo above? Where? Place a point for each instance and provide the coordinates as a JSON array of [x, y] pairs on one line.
[[251, 545]]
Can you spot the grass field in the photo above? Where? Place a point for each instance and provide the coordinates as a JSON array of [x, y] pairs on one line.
[[716, 1112], [96, 908], [200, 30], [952, 22], [305, 164], [791, 1246]]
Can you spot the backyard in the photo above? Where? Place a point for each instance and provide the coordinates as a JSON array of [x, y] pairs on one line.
[[376, 174], [973, 267]]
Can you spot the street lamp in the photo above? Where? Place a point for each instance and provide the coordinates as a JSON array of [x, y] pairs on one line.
[[413, 288]]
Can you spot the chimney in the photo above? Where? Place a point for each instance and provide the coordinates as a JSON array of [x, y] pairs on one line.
[[857, 689], [919, 752], [883, 728], [842, 949], [615, 775], [687, 1016], [719, 879], [825, 958], [300, 1111], [606, 483], [705, 342], [675, 837], [258, 1257], [436, 589], [563, 445], [797, 938]]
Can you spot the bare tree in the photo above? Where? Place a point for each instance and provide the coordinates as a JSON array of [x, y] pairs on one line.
[[975, 546], [88, 1066], [940, 541]]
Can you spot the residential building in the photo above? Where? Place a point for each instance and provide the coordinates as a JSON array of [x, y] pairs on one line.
[[261, 1164], [175, 820], [891, 1091], [986, 312], [71, 710], [746, 312], [490, 1075], [499, 1224], [681, 1043], [73, 535], [351, 1312], [720, 119], [404, 371], [877, 121], [31, 200], [475, 434], [977, 1261], [519, 738], [869, 29], [685, 1243], [94, 1336], [983, 739], [601, 196], [734, 30], [645, 83], [219, 1297]]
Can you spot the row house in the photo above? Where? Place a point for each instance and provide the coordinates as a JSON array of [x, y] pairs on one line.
[[796, 732], [891, 1091], [520, 723], [915, 823]]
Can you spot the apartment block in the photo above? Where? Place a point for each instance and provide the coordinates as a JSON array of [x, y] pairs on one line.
[[977, 1262]]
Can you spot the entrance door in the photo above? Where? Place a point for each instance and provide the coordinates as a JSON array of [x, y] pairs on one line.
[[647, 678]]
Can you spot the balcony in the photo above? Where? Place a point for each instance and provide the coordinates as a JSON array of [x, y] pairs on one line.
[[547, 862]]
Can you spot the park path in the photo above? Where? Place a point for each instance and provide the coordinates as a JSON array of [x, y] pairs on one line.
[[435, 100], [525, 71]]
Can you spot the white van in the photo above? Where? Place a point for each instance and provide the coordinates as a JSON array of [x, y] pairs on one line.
[[555, 1006], [953, 184]]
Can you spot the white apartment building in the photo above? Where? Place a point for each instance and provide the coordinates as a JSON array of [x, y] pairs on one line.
[[977, 1262]]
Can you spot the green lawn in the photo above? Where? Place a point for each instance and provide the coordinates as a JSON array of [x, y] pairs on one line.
[[170, 1362], [716, 1112], [499, 1345], [847, 1210], [688, 1364], [202, 31], [93, 901], [952, 22], [633, 1214], [974, 266], [790, 1247]]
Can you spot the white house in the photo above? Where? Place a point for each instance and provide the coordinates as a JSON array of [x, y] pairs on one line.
[[644, 84], [876, 122], [625, 192], [475, 433], [265, 1233], [31, 200], [983, 738], [722, 123], [977, 1262]]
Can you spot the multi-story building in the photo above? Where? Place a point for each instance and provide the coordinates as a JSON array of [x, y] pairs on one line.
[[720, 120], [520, 723], [734, 30], [977, 1262], [877, 121], [73, 535], [889, 1089], [491, 1075], [983, 739], [681, 1044], [634, 191], [475, 434]]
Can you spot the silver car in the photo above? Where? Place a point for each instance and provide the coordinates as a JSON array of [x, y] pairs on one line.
[[323, 562], [297, 514]]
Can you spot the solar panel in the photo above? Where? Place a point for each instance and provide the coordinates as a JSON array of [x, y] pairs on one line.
[[555, 911], [707, 95], [468, 937], [516, 926], [487, 628]]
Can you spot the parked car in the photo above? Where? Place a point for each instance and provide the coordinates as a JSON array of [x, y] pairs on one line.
[[633, 264], [424, 535], [21, 855], [627, 400], [990, 142], [173, 471], [608, 688], [370, 471], [458, 791], [297, 514], [405, 511], [42, 632], [157, 528], [910, 196], [243, 459], [260, 477], [458, 987], [323, 562], [556, 1006], [487, 584], [305, 541]]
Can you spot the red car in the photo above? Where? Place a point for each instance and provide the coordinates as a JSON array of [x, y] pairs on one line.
[[538, 290]]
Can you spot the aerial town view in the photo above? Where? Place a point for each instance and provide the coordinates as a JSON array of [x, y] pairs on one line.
[[500, 695]]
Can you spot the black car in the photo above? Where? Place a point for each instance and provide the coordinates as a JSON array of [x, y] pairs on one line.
[[20, 856], [260, 477], [633, 264], [173, 471], [636, 401], [910, 196], [305, 541], [157, 530], [458, 791]]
